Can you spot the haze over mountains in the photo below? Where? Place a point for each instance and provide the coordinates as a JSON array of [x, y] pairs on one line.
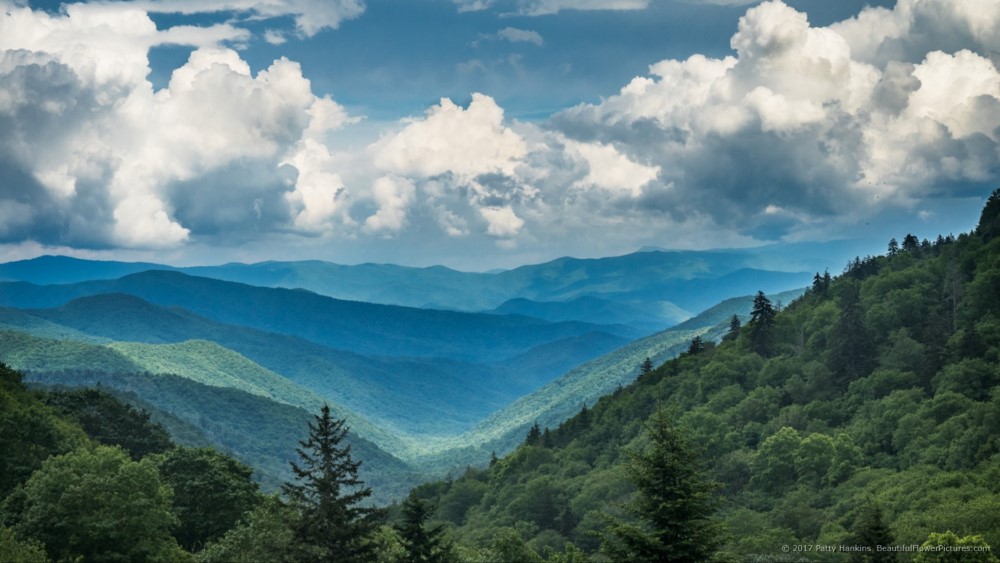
[[649, 290], [431, 387]]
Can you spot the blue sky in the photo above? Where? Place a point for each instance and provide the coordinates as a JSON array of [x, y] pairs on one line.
[[482, 134]]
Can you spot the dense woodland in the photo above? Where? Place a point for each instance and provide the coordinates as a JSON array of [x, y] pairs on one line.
[[865, 413]]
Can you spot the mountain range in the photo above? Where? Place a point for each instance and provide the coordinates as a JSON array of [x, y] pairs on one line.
[[429, 388]]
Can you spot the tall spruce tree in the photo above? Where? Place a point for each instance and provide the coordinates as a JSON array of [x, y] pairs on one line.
[[697, 346], [646, 368], [423, 544], [674, 503], [852, 352], [762, 325], [734, 329], [871, 530], [332, 525]]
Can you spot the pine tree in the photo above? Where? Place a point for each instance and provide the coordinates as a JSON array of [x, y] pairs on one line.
[[697, 346], [646, 368], [989, 220], [534, 437], [871, 530], [331, 523], [852, 352], [762, 325], [893, 249], [734, 329], [674, 502], [423, 544]]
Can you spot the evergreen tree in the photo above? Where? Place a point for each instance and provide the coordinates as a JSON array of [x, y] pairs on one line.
[[493, 458], [646, 368], [871, 530], [989, 220], [422, 543], [675, 503], [534, 437], [911, 243], [893, 249], [762, 325], [852, 352], [331, 524], [697, 346], [734, 328]]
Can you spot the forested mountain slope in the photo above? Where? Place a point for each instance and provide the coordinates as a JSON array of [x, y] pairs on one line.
[[412, 395], [362, 328], [871, 404]]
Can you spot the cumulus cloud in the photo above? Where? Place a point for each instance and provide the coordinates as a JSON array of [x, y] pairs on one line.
[[114, 162], [393, 196], [466, 142], [802, 127], [817, 123]]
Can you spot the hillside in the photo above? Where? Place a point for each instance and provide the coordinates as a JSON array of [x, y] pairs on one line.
[[583, 385], [409, 395], [260, 432], [362, 328], [875, 394]]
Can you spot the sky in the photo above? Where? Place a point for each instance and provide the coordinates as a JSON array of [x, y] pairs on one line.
[[484, 134]]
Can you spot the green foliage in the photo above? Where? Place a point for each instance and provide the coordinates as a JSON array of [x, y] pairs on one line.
[[674, 502], [266, 535], [989, 221], [331, 522], [421, 543], [111, 422], [872, 531], [761, 325], [30, 432], [98, 505], [804, 440], [212, 492], [947, 548], [17, 550]]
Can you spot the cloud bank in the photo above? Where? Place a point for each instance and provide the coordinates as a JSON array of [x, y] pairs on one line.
[[803, 129]]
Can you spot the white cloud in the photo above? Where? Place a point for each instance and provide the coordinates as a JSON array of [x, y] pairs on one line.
[[466, 142], [515, 35], [817, 122], [803, 127], [472, 5], [311, 16], [393, 195], [610, 170], [502, 221], [547, 7]]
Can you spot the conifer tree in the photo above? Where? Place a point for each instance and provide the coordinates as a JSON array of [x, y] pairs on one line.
[[852, 353], [423, 544], [697, 346], [332, 524], [646, 368], [893, 249], [871, 530], [675, 502], [534, 437], [734, 328], [762, 325], [989, 220]]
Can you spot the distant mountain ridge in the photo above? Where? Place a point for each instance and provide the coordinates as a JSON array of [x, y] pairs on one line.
[[648, 290]]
